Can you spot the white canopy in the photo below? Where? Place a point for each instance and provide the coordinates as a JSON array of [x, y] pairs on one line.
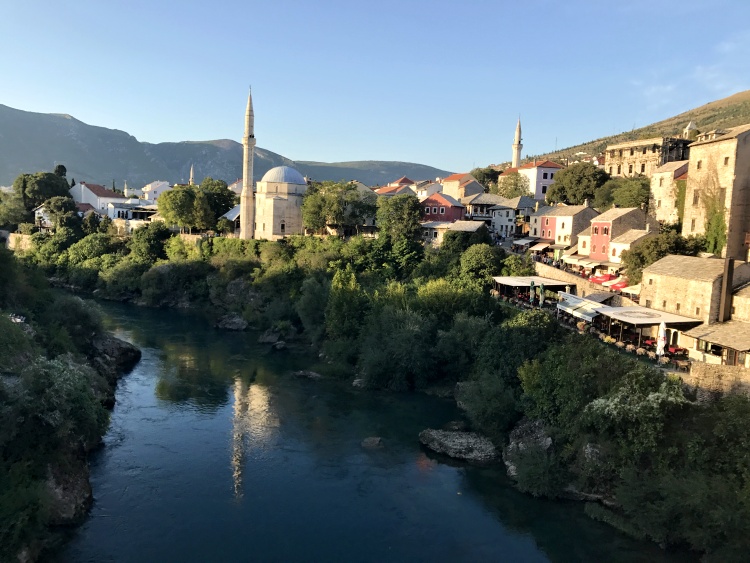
[[525, 281], [539, 246], [524, 241], [633, 289], [578, 306], [642, 316]]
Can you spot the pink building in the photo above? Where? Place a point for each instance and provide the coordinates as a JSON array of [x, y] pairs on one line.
[[441, 207]]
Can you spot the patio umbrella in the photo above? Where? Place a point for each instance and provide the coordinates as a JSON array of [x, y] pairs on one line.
[[531, 292], [541, 295], [661, 340]]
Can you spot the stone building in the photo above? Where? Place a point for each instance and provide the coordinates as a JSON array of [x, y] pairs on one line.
[[663, 205], [644, 156], [461, 185], [278, 204], [719, 177]]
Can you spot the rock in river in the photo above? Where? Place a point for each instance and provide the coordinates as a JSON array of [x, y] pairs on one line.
[[468, 446], [231, 321]]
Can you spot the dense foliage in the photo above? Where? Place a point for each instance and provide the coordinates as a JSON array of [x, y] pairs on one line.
[[511, 185], [648, 251], [577, 183]]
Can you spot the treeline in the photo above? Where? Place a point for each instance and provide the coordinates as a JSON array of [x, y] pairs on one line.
[[51, 402]]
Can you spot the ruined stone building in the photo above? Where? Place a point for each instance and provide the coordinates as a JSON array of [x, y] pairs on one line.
[[664, 189], [643, 157]]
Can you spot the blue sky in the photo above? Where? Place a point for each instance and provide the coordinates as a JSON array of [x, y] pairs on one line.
[[436, 82]]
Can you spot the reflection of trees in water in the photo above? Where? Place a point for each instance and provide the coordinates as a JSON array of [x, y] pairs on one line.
[[560, 528]]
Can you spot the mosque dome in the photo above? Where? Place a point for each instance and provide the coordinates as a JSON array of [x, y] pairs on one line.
[[284, 175]]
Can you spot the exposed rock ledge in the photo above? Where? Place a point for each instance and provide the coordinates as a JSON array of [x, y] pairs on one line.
[[113, 357], [231, 321], [468, 446]]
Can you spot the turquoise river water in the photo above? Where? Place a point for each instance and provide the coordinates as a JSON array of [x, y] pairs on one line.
[[217, 453]]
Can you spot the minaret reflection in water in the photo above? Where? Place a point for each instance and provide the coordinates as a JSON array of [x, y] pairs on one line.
[[253, 426]]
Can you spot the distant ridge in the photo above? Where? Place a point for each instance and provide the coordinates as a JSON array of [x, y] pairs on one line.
[[30, 142], [727, 112]]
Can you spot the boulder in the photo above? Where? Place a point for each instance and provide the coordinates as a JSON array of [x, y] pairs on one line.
[[70, 495], [271, 336], [468, 446], [527, 433], [280, 345], [373, 443], [308, 374], [231, 321], [359, 383], [113, 357]]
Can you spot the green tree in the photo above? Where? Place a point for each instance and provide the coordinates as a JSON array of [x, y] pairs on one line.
[[347, 305], [59, 206], [633, 192], [203, 216], [35, 189], [176, 206], [399, 216], [12, 210], [224, 225], [479, 263], [91, 223], [336, 205], [512, 185], [147, 243], [220, 198], [715, 226], [576, 183], [485, 176], [60, 170]]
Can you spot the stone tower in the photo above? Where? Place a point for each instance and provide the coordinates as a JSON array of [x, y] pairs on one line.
[[247, 202], [517, 146]]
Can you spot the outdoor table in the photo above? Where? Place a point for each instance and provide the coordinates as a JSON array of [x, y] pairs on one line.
[[649, 342]]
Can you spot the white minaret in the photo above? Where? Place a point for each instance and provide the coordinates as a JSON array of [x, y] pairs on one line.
[[247, 203], [517, 146], [191, 182]]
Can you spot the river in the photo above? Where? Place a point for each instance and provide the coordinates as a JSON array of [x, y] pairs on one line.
[[216, 452]]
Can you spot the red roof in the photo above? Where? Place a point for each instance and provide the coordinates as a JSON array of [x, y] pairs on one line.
[[84, 207], [441, 199], [402, 181], [509, 171], [101, 191], [455, 177], [390, 190], [545, 164]]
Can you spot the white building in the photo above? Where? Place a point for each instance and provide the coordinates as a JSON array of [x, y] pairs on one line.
[[152, 191], [95, 195], [278, 204]]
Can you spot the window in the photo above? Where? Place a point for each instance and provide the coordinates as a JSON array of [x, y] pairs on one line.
[[698, 165], [697, 311], [620, 152], [692, 225], [534, 232], [610, 170], [619, 169], [264, 226], [614, 252], [605, 231], [648, 303], [544, 175], [442, 210], [559, 238], [544, 189], [426, 210], [562, 226], [552, 175], [507, 213], [632, 151], [593, 248], [604, 249], [434, 210], [643, 168], [726, 161], [650, 281], [434, 234], [583, 244], [644, 150], [612, 154], [282, 226], [677, 307], [663, 304], [696, 197], [630, 169], [658, 203], [661, 182], [596, 230], [546, 222]]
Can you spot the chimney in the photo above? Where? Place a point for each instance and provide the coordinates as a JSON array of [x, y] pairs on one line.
[[648, 227], [586, 202], [725, 305], [536, 206]]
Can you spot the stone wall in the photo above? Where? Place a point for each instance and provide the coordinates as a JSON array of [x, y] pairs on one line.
[[708, 380], [17, 241], [580, 286]]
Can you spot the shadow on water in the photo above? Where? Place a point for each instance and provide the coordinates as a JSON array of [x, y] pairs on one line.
[[215, 446]]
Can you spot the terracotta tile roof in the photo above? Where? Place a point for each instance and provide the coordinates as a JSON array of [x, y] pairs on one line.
[[544, 164], [402, 181], [393, 190], [101, 191], [442, 199], [509, 171], [456, 177]]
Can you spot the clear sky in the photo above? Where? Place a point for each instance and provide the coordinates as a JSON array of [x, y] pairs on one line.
[[431, 81]]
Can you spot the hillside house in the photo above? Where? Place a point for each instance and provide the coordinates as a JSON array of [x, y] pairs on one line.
[[434, 231], [95, 195], [645, 156], [152, 191], [441, 207], [559, 225], [614, 231], [461, 185]]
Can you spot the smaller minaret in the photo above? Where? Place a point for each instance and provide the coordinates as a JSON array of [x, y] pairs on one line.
[[191, 182], [517, 146], [247, 201]]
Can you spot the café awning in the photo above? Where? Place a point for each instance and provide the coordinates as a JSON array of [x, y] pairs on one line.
[[539, 247], [632, 290], [525, 281], [579, 307], [524, 241], [643, 316]]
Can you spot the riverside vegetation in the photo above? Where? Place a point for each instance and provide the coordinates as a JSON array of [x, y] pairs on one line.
[[403, 317]]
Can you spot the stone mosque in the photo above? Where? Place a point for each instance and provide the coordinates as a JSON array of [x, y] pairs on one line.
[[275, 210]]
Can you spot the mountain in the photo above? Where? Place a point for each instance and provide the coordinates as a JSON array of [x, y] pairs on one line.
[[727, 112], [31, 142]]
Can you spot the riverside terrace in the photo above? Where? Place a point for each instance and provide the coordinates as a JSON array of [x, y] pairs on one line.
[[633, 328]]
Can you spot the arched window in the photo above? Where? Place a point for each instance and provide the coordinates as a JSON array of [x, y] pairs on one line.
[[283, 226], [596, 230], [604, 249], [605, 230], [583, 244], [614, 252], [593, 248], [562, 226]]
